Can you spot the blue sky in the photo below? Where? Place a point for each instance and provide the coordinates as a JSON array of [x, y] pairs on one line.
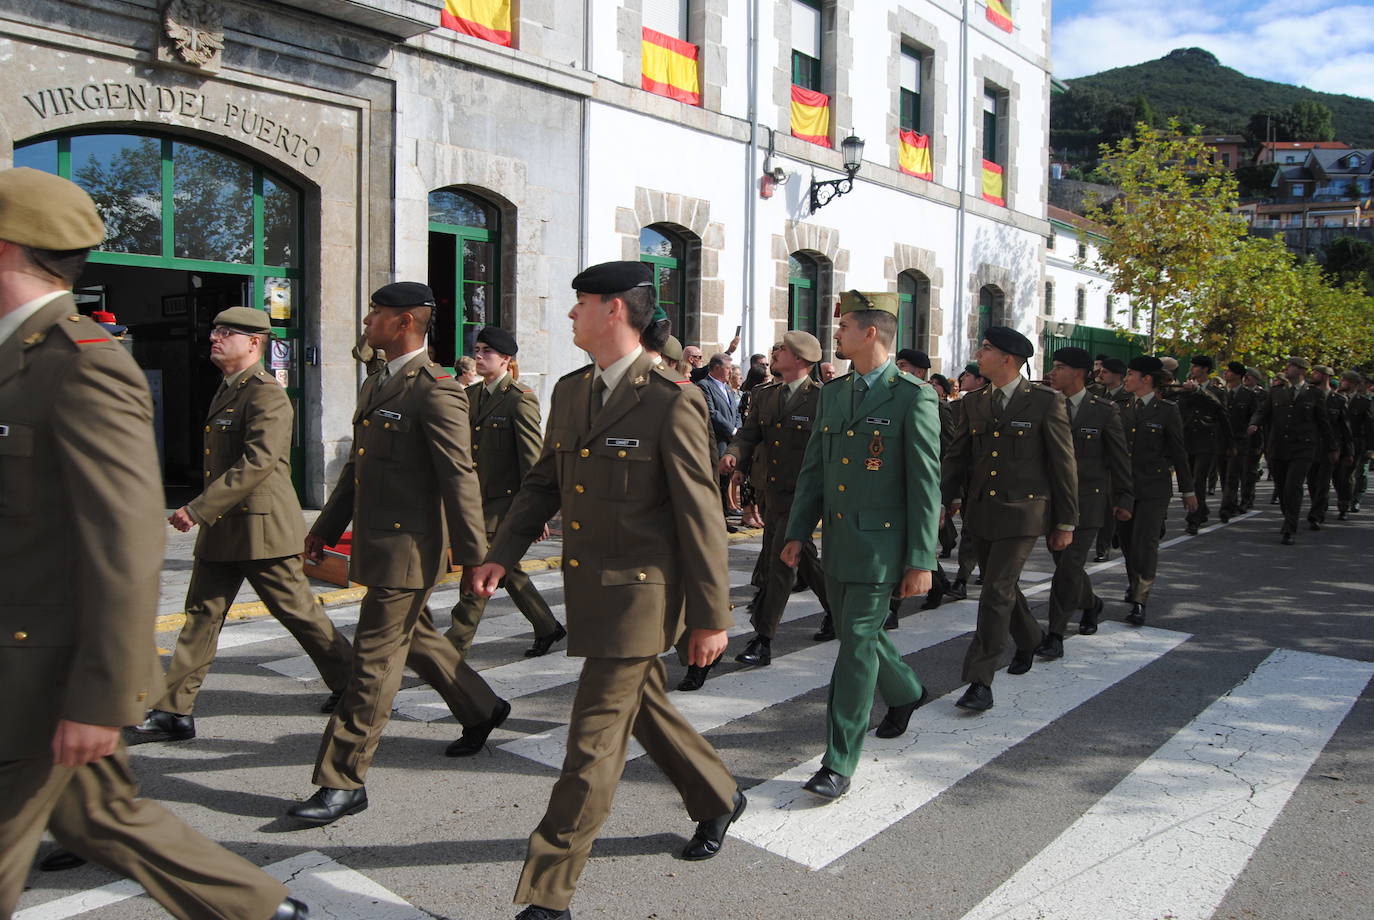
[[1326, 45]]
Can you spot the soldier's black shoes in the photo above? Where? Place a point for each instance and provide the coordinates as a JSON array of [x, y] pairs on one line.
[[1102, 557], [1137, 615], [1340, 516], [535, 912], [1051, 647], [1021, 661], [696, 676], [979, 579], [710, 835], [329, 805], [827, 784], [291, 909], [1313, 525], [895, 722], [60, 860], [331, 702], [474, 737], [1088, 624], [978, 698], [1127, 596], [166, 726], [891, 622], [758, 652], [542, 644], [959, 589], [1286, 539], [1191, 530], [827, 631]]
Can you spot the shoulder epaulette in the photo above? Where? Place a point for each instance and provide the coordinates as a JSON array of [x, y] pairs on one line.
[[838, 379], [437, 371], [586, 369], [83, 331], [1040, 387]]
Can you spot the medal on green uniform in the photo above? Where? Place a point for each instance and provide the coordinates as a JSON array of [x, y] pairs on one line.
[[875, 450]]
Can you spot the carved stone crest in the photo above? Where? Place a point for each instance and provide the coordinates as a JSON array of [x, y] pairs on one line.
[[196, 30]]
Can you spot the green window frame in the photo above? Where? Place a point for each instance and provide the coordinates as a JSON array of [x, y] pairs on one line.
[[991, 307], [474, 276], [666, 253], [991, 106], [803, 276], [909, 96], [806, 67], [913, 310]]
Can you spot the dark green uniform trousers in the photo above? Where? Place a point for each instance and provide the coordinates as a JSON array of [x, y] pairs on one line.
[[1140, 538], [1002, 608], [1071, 588], [467, 613], [779, 577]]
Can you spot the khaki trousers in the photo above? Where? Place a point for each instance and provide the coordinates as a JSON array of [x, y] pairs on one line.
[[779, 577], [395, 630], [1201, 466], [617, 698], [282, 585], [1140, 538], [1071, 588], [95, 812], [467, 613], [1002, 608], [1289, 478]]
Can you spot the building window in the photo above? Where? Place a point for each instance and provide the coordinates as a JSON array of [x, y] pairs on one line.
[[1051, 240], [666, 251], [667, 16], [803, 276], [1111, 309], [464, 247], [1082, 251], [909, 102], [994, 145], [992, 308], [991, 139], [1049, 298], [913, 310], [806, 45], [1080, 306]]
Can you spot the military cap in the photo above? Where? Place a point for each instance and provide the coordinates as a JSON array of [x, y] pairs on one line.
[[1300, 362], [672, 349], [1074, 357], [943, 382], [1005, 338], [1354, 376], [1236, 368], [1114, 365], [802, 344], [403, 294], [1168, 363], [245, 319], [499, 339], [1203, 361], [866, 300], [1324, 369], [44, 211], [914, 357], [972, 368], [1255, 374], [613, 277], [1146, 364]]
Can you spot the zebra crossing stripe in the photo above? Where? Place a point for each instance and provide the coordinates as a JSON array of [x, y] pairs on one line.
[[1173, 836], [944, 745]]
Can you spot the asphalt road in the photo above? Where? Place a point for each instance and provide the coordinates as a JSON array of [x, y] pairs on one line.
[[1217, 763]]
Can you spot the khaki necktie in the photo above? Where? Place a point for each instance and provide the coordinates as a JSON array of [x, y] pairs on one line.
[[1069, 404], [998, 401], [598, 395]]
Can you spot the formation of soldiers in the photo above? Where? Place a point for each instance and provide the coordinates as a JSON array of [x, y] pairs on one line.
[[882, 459]]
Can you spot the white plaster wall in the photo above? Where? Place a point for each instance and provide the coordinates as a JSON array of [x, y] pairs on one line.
[[607, 59], [1062, 269]]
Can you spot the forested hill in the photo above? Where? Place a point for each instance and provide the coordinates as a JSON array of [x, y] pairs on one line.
[[1192, 84]]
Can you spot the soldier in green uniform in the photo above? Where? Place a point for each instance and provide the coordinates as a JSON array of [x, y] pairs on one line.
[[1362, 433], [871, 475], [1299, 430], [971, 380], [1239, 400], [1109, 386], [1328, 467], [506, 439], [1206, 432]]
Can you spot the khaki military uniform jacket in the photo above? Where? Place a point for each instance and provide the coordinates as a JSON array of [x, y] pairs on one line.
[[409, 474], [775, 435], [1103, 460], [1361, 420], [506, 441], [1022, 480], [249, 508], [1297, 423], [1241, 405], [644, 549], [1338, 414], [1155, 436], [81, 532], [1206, 427]]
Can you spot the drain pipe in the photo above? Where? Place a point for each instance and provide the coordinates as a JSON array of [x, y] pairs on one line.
[[751, 175], [961, 273]]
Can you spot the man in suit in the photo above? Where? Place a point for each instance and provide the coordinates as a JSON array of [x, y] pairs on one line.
[[81, 544], [1109, 386], [1206, 431], [1299, 429], [1239, 454], [1327, 469], [408, 479], [250, 527], [869, 473], [775, 434], [626, 460], [1154, 432], [1014, 447], [1104, 489], [722, 413], [506, 439]]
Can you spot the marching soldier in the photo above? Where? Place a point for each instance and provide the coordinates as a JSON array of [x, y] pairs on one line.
[[871, 473], [1343, 479], [627, 461], [1205, 430], [1023, 484], [1109, 386], [775, 435], [1299, 429], [1328, 467], [1239, 457], [970, 382], [1104, 488], [1362, 431], [1154, 433], [81, 546], [408, 484], [506, 440], [250, 527]]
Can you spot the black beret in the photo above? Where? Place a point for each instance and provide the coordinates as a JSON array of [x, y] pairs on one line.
[[1236, 368], [403, 294], [1146, 364], [1005, 338], [613, 277], [1074, 357], [972, 369], [1114, 365], [1203, 361], [914, 357], [499, 339], [1100, 357], [942, 381]]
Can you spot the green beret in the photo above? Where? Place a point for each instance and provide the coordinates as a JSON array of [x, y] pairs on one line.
[[43, 211], [403, 294], [245, 319], [613, 278], [1007, 339], [1255, 374], [866, 300], [802, 344], [1324, 369], [1300, 362]]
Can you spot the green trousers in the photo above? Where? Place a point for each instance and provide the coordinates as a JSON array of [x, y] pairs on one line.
[[867, 660]]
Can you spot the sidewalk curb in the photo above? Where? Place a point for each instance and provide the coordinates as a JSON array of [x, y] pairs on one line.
[[250, 610]]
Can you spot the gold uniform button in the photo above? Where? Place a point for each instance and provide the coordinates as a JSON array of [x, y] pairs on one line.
[[579, 488], [849, 434], [207, 474], [361, 451], [477, 447], [142, 695], [844, 460], [396, 526], [620, 454], [993, 473], [997, 434], [839, 515], [777, 424], [992, 491], [367, 423], [887, 523], [841, 487], [557, 443], [641, 576], [994, 453], [576, 525], [777, 443], [772, 479], [584, 452], [74, 318], [573, 563], [245, 508], [20, 636], [207, 427], [825, 428], [386, 424], [207, 451]]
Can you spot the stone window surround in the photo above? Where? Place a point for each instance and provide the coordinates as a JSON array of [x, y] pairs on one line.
[[704, 241], [905, 258], [996, 276], [910, 30], [1080, 304], [823, 245], [990, 74], [705, 29], [837, 64], [506, 229]]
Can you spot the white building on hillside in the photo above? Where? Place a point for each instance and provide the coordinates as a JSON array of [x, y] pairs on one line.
[[1077, 303]]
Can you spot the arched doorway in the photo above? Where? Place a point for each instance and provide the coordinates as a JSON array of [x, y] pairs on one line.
[[803, 281], [913, 310], [671, 252], [464, 270], [992, 309], [190, 230]]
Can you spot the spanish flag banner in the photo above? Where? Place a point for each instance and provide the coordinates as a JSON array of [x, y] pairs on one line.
[[488, 20], [992, 183], [670, 67], [999, 15], [913, 155], [810, 116]]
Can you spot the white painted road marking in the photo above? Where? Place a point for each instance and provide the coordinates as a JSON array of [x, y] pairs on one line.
[[1173, 836]]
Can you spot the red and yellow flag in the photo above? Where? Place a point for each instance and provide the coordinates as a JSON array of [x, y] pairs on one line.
[[485, 19], [811, 116], [999, 15], [913, 154], [670, 67], [992, 184]]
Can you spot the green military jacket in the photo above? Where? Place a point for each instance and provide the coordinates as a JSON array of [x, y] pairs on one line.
[[506, 440], [1297, 424], [1103, 460], [774, 436], [249, 508], [1155, 435], [871, 477]]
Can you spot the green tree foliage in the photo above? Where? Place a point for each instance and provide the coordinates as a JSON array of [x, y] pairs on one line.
[[1305, 120], [1350, 261]]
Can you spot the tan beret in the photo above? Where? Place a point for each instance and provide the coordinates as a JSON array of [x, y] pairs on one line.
[[44, 211], [672, 349], [1300, 362], [1170, 364], [867, 300], [244, 318], [802, 344], [1324, 369]]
